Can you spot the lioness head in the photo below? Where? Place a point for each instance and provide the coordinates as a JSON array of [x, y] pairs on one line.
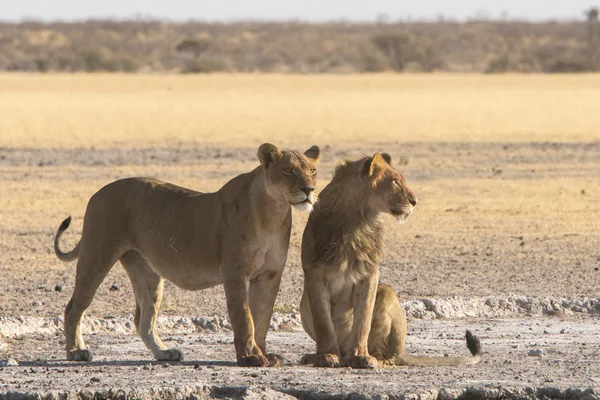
[[388, 190], [290, 174]]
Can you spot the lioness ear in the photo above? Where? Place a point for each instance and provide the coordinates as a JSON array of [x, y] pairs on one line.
[[374, 165], [313, 154], [387, 158], [268, 154]]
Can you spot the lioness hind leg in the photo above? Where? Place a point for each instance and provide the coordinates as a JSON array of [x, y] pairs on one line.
[[387, 337], [148, 290], [90, 274]]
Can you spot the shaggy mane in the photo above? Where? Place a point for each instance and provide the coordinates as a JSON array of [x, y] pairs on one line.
[[345, 229]]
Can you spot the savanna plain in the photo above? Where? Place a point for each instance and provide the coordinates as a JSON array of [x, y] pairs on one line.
[[505, 239]]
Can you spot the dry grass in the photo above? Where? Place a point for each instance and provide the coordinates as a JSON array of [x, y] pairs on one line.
[[101, 110], [505, 217]]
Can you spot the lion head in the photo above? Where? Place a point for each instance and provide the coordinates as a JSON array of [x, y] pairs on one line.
[[372, 185], [290, 174], [389, 192]]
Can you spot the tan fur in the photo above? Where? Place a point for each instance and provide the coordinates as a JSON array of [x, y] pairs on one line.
[[354, 321], [237, 236]]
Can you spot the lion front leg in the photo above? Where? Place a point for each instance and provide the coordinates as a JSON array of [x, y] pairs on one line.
[[247, 352], [363, 303], [315, 310], [263, 291]]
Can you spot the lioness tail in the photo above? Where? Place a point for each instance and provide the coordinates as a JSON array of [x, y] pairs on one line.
[[473, 344], [71, 255]]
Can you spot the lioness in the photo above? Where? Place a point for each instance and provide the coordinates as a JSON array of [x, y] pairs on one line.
[[237, 236], [343, 308]]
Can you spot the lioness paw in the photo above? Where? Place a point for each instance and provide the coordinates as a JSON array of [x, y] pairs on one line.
[[275, 360], [326, 360], [79, 355], [170, 355], [361, 362], [253, 361]]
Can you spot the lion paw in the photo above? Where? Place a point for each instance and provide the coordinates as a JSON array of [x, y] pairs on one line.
[[308, 359], [362, 362], [275, 360], [326, 360], [79, 355], [169, 355], [253, 361]]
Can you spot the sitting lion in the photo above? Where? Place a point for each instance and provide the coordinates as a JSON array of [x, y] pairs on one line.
[[237, 236], [343, 308]]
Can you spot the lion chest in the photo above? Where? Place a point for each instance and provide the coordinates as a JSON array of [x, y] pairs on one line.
[[341, 278]]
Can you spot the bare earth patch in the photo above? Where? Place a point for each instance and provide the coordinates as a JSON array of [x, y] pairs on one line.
[[504, 241]]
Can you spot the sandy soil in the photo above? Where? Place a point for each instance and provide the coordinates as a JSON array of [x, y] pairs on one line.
[[515, 221]]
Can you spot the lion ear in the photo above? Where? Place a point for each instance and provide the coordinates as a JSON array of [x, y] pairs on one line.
[[374, 165], [387, 158], [268, 154], [313, 154]]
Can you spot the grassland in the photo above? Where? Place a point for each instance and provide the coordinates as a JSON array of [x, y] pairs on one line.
[[109, 110], [507, 169]]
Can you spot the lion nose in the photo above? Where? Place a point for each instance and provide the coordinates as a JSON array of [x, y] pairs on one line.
[[307, 189], [413, 201]]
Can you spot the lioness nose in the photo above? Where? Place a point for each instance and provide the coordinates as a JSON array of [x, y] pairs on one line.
[[307, 189], [413, 201]]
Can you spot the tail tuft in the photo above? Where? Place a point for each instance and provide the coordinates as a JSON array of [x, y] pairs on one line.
[[473, 343], [65, 224]]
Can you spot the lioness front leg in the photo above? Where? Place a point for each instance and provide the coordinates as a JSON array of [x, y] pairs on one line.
[[363, 303], [263, 291], [315, 310], [247, 352]]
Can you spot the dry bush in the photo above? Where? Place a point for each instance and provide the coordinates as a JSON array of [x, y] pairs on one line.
[[472, 46]]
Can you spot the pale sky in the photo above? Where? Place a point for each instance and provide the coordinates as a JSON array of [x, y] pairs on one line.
[[305, 10]]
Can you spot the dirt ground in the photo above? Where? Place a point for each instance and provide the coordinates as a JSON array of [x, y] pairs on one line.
[[498, 225]]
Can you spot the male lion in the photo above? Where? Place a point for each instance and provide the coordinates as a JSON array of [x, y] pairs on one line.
[[237, 236], [343, 308]]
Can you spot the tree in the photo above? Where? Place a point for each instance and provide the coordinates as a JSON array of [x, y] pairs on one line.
[[398, 49], [593, 47], [192, 46]]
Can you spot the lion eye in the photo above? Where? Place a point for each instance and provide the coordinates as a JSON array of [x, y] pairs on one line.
[[313, 171], [396, 182], [287, 171]]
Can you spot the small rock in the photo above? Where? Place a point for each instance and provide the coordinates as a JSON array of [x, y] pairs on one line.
[[58, 288], [36, 303], [10, 362], [94, 379], [535, 353], [286, 327], [113, 288]]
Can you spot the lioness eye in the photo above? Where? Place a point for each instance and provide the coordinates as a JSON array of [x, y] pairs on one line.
[[396, 182], [287, 171], [313, 171]]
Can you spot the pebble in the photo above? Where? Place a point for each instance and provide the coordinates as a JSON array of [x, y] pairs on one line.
[[535, 353], [10, 362]]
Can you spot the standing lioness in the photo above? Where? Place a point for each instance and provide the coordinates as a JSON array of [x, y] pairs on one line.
[[237, 236], [343, 308]]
